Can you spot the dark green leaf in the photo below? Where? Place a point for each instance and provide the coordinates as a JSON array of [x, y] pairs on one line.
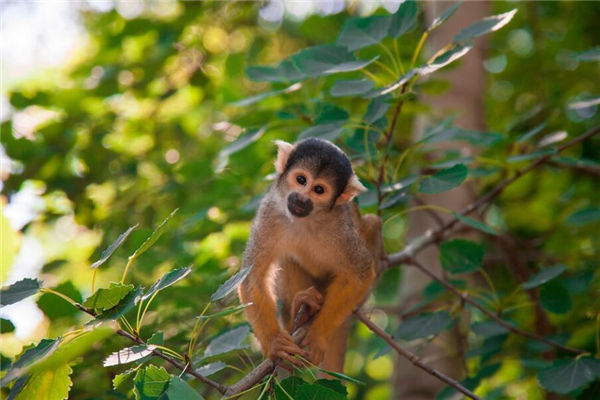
[[544, 276], [17, 387], [486, 25], [288, 388], [225, 312], [256, 98], [531, 133], [127, 355], [484, 139], [181, 390], [459, 256], [444, 16], [286, 71], [331, 114], [167, 280], [104, 299], [584, 216], [154, 236], [327, 59], [335, 385], [6, 326], [242, 142], [31, 356], [119, 379], [475, 224], [567, 375], [19, 291], [555, 297], [376, 109], [231, 284], [488, 328], [150, 382], [228, 341], [362, 32], [589, 55], [530, 156], [404, 18], [111, 249], [126, 304], [424, 325], [156, 338], [444, 180], [316, 391], [351, 87], [57, 307], [447, 56]]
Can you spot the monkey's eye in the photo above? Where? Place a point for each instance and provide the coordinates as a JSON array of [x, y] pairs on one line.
[[301, 179], [319, 189]]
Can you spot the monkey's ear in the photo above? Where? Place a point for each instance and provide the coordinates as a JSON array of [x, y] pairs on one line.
[[284, 149], [353, 189]]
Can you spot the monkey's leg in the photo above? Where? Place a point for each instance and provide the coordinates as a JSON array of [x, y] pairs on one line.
[[291, 280], [335, 355]]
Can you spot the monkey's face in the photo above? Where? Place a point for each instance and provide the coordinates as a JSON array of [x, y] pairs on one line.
[[307, 193]]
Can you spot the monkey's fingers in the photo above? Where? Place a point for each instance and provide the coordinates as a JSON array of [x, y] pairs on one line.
[[289, 358]]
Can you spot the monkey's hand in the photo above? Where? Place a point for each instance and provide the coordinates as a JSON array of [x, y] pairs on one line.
[[284, 347], [311, 298], [317, 345]]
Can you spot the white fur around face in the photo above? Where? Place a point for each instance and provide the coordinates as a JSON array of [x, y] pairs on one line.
[[284, 149]]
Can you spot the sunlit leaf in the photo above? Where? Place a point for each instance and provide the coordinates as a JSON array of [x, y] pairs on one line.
[[127, 355], [19, 290], [567, 375], [423, 325], [181, 390], [555, 297], [154, 236], [167, 280], [351, 87], [256, 98], [50, 384], [231, 284], [31, 356], [546, 275], [126, 304], [242, 142], [327, 59], [475, 224], [486, 25], [119, 379], [362, 32], [444, 57], [585, 103], [587, 215], [104, 299], [404, 18], [210, 369], [444, 16], [111, 249], [150, 382], [393, 86], [226, 342], [459, 256], [592, 54], [444, 180]]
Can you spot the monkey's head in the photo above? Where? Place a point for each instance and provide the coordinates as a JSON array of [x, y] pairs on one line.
[[314, 175]]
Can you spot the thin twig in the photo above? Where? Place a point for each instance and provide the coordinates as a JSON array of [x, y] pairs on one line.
[[464, 297], [413, 358]]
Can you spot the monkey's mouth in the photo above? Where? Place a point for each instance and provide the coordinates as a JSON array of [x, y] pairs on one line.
[[298, 210]]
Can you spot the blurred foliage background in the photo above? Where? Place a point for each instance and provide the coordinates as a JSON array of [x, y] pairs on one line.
[[135, 124]]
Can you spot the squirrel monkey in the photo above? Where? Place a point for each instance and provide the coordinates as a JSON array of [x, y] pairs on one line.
[[309, 245]]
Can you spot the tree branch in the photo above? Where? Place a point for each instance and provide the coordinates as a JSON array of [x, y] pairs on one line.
[[413, 358]]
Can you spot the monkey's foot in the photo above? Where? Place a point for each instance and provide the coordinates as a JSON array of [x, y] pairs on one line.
[[311, 298], [284, 347]]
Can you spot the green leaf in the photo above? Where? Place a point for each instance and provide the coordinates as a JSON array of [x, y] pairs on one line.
[[554, 297], [331, 113], [120, 309], [56, 307], [6, 326], [167, 280], [376, 109], [30, 357], [486, 25], [341, 376], [127, 355], [317, 391], [459, 256], [327, 59], [446, 56], [475, 138], [530, 156], [154, 236], [329, 131], [404, 18], [156, 338], [51, 384], [226, 342], [225, 312], [489, 328], [567, 375], [393, 86], [544, 276], [475, 224], [111, 249], [231, 284], [584, 216], [209, 369], [17, 387], [242, 142], [444, 16], [582, 104], [424, 325], [288, 387], [119, 379], [104, 299], [353, 87], [181, 390], [444, 180], [150, 383], [592, 54], [362, 32], [531, 133], [256, 98], [286, 71], [19, 290]]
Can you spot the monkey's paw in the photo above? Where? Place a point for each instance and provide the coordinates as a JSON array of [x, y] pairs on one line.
[[284, 347], [311, 298], [316, 347]]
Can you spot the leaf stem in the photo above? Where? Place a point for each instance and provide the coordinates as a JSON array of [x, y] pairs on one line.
[[129, 262]]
